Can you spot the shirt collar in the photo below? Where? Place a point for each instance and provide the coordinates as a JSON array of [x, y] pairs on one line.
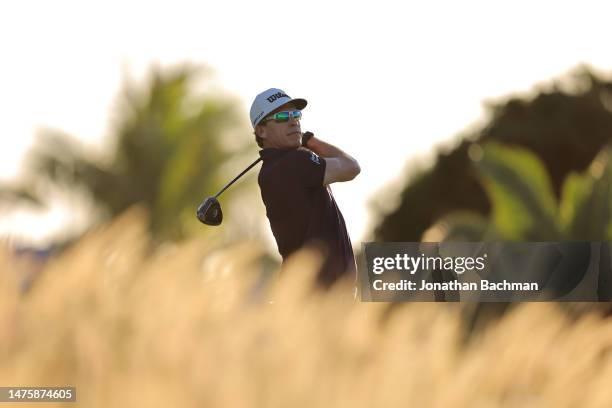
[[272, 153]]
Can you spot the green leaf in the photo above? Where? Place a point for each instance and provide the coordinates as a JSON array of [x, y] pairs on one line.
[[585, 203], [518, 186]]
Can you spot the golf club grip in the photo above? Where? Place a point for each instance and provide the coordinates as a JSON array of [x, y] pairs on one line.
[[237, 177]]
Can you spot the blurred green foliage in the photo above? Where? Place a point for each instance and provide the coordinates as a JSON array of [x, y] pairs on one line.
[[524, 207], [168, 149], [564, 126]]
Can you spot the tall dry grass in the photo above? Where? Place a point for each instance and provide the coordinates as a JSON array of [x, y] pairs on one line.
[[182, 327]]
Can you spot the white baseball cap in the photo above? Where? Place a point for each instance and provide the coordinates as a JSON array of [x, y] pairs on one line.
[[269, 100]]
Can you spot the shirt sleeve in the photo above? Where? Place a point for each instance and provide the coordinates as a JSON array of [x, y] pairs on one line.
[[309, 168]]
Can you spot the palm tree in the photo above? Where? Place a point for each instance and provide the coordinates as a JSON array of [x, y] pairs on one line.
[[169, 149]]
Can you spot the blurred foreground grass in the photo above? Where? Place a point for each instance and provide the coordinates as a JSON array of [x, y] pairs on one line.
[[183, 327]]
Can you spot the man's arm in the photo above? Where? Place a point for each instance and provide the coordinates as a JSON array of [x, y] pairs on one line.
[[339, 166]]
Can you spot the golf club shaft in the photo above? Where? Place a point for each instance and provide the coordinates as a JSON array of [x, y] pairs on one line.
[[237, 177]]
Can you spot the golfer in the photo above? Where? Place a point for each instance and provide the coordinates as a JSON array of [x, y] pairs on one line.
[[294, 181]]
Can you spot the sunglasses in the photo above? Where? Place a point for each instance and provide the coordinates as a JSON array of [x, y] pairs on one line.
[[284, 116]]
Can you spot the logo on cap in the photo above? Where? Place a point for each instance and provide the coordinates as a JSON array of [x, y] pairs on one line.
[[276, 96]]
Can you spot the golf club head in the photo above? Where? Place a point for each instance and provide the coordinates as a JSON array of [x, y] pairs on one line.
[[209, 212]]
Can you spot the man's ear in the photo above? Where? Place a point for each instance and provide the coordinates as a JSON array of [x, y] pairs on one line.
[[260, 131]]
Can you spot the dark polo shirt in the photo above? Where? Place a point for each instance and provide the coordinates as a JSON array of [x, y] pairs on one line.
[[302, 211]]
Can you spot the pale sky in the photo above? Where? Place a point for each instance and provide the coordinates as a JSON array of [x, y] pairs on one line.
[[378, 75]]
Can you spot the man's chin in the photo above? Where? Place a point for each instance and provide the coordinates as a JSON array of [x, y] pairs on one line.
[[296, 144]]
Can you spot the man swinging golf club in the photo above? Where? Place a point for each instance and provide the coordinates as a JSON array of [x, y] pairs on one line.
[[294, 181]]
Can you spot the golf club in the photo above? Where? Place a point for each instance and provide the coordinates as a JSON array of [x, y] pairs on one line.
[[209, 212]]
